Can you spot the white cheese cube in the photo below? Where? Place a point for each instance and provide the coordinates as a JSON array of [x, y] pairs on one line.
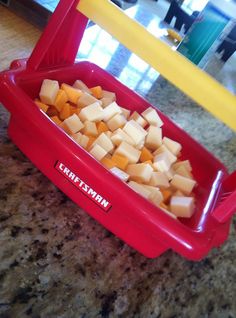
[[159, 179], [174, 146], [86, 99], [182, 206], [120, 174], [105, 101], [48, 91], [156, 196], [154, 138], [152, 117], [125, 112], [108, 94], [161, 162], [183, 184], [110, 111], [98, 152], [90, 128], [138, 118], [164, 149], [128, 151], [116, 122], [104, 141], [93, 112], [82, 86], [77, 137], [182, 171], [119, 135], [140, 172], [135, 131], [185, 163], [74, 123], [140, 189], [170, 174]]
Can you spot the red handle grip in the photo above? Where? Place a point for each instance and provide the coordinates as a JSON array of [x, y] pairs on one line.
[[59, 43]]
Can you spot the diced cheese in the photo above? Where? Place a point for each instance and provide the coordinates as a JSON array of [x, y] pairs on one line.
[[161, 162], [84, 141], [166, 193], [120, 162], [98, 152], [145, 155], [110, 111], [119, 135], [163, 149], [60, 100], [74, 123], [105, 101], [159, 179], [170, 174], [90, 128], [56, 120], [93, 112], [64, 127], [139, 119], [181, 170], [135, 131], [82, 86], [48, 91], [140, 172], [104, 141], [185, 163], [120, 174], [65, 112], [174, 146], [41, 105], [182, 206], [183, 184], [110, 95], [128, 151], [154, 137], [73, 110], [117, 121], [86, 99], [72, 93], [77, 137], [101, 127], [152, 117], [90, 141], [156, 196], [125, 112], [140, 189], [107, 162], [97, 91]]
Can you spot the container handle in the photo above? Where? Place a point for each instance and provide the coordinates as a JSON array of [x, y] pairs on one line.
[[58, 44], [227, 207]]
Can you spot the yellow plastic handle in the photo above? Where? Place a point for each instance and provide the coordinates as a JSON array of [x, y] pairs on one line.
[[177, 69]]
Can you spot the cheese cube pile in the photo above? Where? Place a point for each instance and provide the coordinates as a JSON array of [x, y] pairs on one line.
[[130, 145]]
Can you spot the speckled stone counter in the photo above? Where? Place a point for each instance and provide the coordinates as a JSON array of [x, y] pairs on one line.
[[56, 261]]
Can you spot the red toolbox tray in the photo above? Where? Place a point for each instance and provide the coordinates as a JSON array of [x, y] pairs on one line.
[[90, 185]]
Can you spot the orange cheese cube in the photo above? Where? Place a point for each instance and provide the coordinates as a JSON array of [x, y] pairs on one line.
[[166, 194], [72, 93], [146, 155], [52, 111], [41, 105], [107, 162], [60, 100], [64, 127], [65, 112], [91, 140], [120, 161], [56, 120], [97, 91], [101, 127]]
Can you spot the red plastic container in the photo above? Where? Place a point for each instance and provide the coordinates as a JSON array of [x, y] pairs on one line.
[[110, 201]]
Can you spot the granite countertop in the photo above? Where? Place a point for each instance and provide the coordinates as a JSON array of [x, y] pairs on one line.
[[56, 261]]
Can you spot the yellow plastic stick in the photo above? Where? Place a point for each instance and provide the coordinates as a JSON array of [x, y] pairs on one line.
[[170, 64]]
